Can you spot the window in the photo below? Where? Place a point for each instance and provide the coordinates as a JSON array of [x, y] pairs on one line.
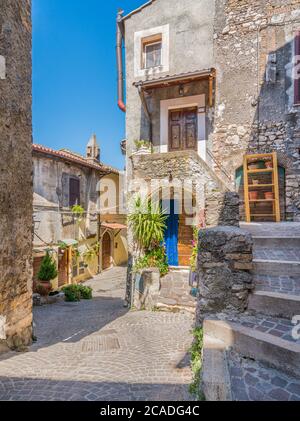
[[152, 53], [296, 74], [74, 192]]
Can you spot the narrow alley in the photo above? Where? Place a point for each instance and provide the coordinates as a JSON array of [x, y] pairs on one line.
[[98, 350]]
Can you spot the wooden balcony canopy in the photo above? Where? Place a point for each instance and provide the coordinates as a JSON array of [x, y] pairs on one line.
[[179, 79]]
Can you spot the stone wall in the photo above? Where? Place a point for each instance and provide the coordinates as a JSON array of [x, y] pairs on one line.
[[16, 177], [224, 265], [255, 112], [222, 208]]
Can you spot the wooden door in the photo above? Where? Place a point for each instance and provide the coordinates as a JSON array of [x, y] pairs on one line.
[[37, 261], [183, 129], [63, 263], [106, 251]]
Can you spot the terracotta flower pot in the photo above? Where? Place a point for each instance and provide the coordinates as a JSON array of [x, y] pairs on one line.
[[253, 195], [269, 195], [254, 166], [269, 164]]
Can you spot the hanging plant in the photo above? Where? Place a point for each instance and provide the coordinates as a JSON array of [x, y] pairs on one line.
[[77, 211]]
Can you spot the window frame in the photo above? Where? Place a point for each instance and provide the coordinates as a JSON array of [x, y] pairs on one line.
[[145, 45], [77, 180]]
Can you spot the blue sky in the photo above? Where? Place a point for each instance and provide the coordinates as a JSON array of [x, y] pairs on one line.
[[74, 75]]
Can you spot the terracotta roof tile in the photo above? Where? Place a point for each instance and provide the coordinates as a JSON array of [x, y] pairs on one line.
[[74, 157]]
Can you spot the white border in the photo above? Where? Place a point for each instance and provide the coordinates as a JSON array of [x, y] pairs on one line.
[[164, 31], [184, 102]]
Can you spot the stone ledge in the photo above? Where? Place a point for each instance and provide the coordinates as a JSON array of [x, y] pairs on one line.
[[215, 374], [274, 303], [251, 343]]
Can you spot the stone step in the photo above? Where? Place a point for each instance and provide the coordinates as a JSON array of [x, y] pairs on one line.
[[274, 304], [276, 242], [215, 375], [258, 341], [283, 284], [278, 267], [253, 381], [272, 229], [287, 254]]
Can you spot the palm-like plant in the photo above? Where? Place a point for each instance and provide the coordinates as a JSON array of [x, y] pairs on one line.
[[148, 223]]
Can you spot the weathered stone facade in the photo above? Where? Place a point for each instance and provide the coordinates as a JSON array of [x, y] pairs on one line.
[[224, 265], [254, 58], [222, 208], [15, 176], [55, 223]]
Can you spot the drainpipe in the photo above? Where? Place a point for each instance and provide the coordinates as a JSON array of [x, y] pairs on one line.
[[120, 36]]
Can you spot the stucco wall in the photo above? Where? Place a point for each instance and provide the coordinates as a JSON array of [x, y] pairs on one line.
[[191, 40], [113, 210], [53, 221], [15, 175]]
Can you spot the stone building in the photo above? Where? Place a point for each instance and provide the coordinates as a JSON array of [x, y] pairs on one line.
[[82, 244], [206, 83], [15, 175]]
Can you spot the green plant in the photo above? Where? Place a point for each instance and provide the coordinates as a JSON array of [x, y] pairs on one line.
[[194, 257], [91, 253], [142, 144], [62, 245], [77, 211], [48, 269], [154, 258], [72, 293], [76, 292], [86, 293], [148, 223], [196, 363]]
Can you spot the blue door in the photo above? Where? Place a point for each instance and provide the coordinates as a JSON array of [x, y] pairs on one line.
[[171, 235]]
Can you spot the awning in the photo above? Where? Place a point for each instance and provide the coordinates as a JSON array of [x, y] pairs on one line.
[[176, 79], [113, 226]]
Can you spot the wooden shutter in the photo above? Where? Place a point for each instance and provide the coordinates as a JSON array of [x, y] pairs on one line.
[[297, 62], [74, 192]]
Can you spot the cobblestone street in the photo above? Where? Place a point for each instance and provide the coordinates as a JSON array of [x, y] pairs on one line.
[[98, 350]]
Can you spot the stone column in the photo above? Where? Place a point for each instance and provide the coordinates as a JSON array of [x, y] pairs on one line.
[[15, 175], [224, 265]]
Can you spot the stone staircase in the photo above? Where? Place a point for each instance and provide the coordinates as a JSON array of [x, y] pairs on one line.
[[254, 356], [175, 292]]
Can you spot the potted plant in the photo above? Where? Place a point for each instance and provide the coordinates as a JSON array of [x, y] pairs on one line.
[[254, 165], [269, 195], [269, 164], [148, 223], [253, 195], [143, 147], [47, 272]]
